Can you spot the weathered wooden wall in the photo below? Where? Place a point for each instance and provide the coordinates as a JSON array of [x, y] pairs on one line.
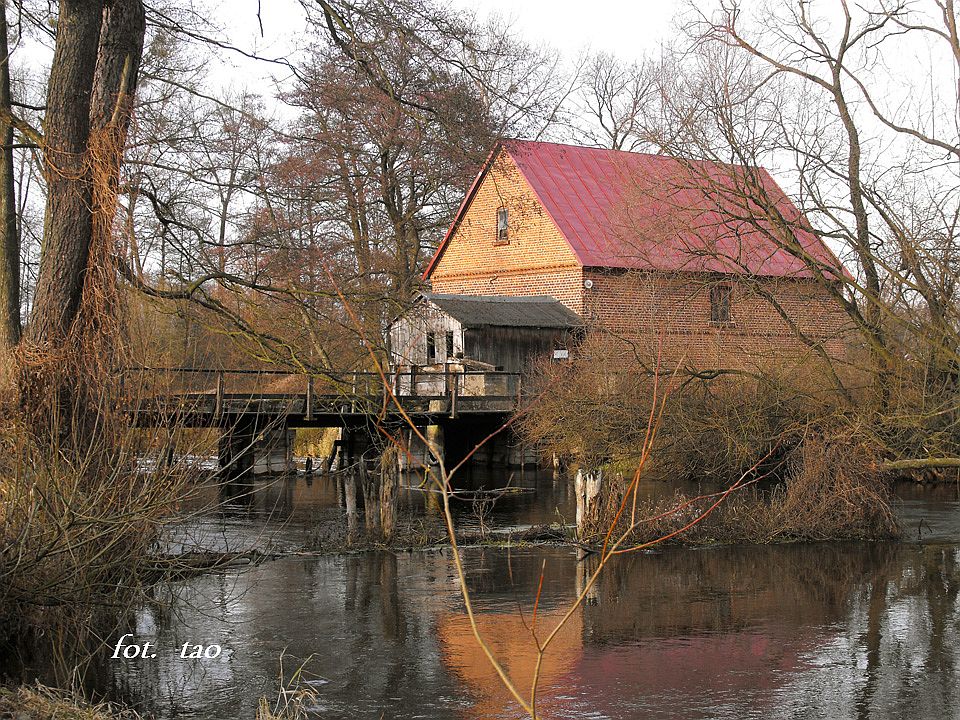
[[512, 349], [408, 335]]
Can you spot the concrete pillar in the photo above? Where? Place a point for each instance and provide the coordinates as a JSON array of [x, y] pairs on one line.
[[416, 455], [436, 444]]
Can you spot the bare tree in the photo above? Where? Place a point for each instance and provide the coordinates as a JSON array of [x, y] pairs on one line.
[[806, 88], [398, 106], [9, 235], [614, 97]]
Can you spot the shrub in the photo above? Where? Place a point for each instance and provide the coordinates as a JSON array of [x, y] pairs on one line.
[[830, 490], [77, 528]]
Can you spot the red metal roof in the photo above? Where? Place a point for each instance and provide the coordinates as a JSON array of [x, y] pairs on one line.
[[631, 210]]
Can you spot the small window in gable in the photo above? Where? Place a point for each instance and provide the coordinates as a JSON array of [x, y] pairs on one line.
[[503, 230], [449, 348], [431, 348], [720, 296]]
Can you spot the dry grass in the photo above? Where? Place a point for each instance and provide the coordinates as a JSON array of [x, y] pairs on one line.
[[315, 442], [43, 703], [294, 697], [830, 491], [834, 491]]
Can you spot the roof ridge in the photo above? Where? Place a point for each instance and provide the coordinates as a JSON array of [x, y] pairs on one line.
[[633, 153]]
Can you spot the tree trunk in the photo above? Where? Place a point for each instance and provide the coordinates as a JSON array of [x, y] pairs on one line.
[[118, 66], [111, 108], [89, 102], [68, 220], [9, 237], [75, 321], [587, 487]]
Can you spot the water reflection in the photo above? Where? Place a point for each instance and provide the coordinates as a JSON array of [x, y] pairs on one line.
[[290, 512], [833, 630]]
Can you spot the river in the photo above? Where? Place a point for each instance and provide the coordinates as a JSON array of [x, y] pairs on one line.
[[828, 630]]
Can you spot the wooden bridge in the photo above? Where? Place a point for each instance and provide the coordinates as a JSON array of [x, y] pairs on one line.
[[255, 410], [196, 397]]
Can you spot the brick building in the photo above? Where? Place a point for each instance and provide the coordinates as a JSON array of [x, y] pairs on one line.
[[644, 247]]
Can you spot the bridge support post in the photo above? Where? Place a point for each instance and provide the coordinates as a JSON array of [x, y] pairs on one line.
[[236, 454], [246, 450]]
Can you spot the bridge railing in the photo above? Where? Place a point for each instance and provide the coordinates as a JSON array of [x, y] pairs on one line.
[[184, 386]]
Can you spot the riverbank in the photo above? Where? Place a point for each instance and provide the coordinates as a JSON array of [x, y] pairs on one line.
[[304, 513], [39, 702]]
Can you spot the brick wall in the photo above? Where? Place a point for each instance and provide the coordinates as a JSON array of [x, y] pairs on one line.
[[536, 260], [643, 306]]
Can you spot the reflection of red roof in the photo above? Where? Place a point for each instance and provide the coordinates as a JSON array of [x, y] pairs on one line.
[[685, 675], [630, 210]]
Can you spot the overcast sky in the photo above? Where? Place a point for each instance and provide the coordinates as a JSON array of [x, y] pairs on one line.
[[623, 28], [627, 29]]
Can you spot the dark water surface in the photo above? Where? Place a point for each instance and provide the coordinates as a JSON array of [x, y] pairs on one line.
[[832, 630]]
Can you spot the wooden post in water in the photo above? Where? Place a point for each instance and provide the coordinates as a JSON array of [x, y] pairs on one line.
[[389, 490], [370, 486], [446, 382], [350, 500], [587, 489], [453, 395], [335, 461], [218, 401]]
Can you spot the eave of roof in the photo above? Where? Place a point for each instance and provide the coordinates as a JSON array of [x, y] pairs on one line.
[[462, 210], [539, 311]]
